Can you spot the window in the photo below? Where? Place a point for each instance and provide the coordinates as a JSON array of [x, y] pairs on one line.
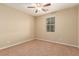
[[51, 24]]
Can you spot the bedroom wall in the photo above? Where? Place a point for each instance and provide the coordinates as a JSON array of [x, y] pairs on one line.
[[65, 27], [78, 26], [15, 27]]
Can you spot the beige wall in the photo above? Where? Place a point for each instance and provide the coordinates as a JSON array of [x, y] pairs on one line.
[[65, 27], [15, 26], [78, 26]]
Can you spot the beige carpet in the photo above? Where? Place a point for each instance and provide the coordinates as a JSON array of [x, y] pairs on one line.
[[40, 48]]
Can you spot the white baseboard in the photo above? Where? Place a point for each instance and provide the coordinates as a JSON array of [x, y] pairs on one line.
[[16, 44], [58, 42], [37, 39]]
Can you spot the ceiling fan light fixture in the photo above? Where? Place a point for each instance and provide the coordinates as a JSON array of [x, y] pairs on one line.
[[39, 7]]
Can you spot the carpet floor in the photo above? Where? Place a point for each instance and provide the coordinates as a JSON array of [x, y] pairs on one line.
[[40, 48]]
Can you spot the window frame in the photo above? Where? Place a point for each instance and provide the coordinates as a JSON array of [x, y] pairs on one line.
[[50, 23]]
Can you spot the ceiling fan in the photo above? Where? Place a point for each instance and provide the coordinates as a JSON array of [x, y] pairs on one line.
[[39, 6]]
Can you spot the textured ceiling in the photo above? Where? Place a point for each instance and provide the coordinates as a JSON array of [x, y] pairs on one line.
[[54, 7]]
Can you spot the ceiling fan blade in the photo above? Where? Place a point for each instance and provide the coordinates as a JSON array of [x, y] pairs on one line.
[[30, 7], [36, 11], [48, 4], [45, 10]]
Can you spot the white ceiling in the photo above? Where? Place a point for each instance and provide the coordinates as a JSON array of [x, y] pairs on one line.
[[54, 7]]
